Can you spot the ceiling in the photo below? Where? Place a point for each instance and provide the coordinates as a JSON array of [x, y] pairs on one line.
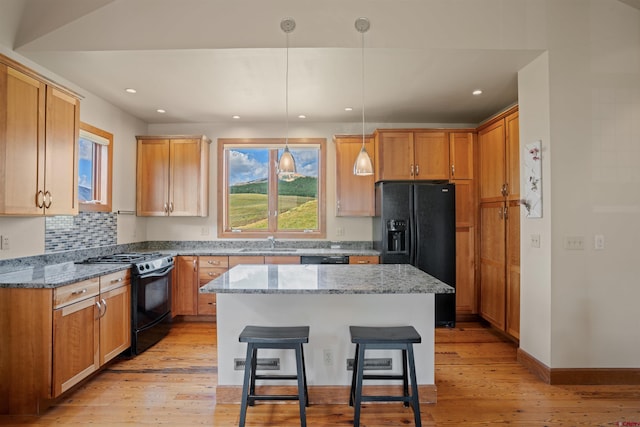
[[207, 60]]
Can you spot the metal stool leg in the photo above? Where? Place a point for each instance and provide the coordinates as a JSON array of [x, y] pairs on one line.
[[405, 378], [304, 376], [353, 375], [415, 401], [254, 367], [245, 384], [358, 390], [302, 394]]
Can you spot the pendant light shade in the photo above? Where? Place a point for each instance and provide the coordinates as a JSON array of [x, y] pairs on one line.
[[363, 165], [287, 164]]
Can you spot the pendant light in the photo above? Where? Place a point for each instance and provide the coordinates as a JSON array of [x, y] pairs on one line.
[[363, 165], [287, 164]]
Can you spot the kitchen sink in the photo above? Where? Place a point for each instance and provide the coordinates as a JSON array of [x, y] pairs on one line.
[[268, 250]]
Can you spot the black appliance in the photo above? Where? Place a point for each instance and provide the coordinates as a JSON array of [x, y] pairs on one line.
[[150, 295], [415, 223], [319, 259]]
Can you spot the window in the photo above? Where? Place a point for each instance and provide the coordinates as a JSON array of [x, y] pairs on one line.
[[95, 156], [254, 202]]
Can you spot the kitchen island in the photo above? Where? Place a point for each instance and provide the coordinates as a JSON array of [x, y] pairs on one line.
[[328, 298]]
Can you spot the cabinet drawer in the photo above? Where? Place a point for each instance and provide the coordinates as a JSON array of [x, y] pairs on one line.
[[206, 304], [206, 275], [363, 259], [213, 261], [115, 280], [69, 294]]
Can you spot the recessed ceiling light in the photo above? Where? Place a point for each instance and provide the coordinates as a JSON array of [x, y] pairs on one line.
[[302, 116], [130, 90], [235, 117], [348, 109], [161, 111], [477, 92]]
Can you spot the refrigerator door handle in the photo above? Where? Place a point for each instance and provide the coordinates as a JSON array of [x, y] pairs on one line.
[[412, 228]]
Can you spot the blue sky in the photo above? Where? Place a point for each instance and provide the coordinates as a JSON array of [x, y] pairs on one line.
[[250, 164]]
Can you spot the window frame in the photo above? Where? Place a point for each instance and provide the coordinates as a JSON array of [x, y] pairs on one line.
[[99, 172], [222, 200]]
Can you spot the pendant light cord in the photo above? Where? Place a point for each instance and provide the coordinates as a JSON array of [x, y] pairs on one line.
[[362, 89], [286, 91]]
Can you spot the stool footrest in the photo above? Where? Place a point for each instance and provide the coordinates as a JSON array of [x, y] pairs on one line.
[[276, 377], [386, 398], [273, 397], [382, 377]]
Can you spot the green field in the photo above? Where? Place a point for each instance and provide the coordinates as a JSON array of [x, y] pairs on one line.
[[249, 211]]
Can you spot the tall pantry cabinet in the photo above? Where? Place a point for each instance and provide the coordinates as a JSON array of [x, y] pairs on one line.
[[39, 125], [499, 189]]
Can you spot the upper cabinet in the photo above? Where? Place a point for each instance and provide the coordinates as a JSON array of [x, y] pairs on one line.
[[173, 176], [424, 154], [354, 194], [39, 125], [500, 159]]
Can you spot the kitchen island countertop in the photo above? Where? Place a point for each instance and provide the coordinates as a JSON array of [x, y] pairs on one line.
[[326, 279]]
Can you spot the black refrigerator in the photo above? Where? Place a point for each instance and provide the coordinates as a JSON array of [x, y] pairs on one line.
[[415, 223]]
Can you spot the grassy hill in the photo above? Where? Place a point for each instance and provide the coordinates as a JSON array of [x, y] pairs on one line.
[[304, 186]]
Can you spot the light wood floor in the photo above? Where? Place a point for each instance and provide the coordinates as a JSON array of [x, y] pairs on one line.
[[479, 384]]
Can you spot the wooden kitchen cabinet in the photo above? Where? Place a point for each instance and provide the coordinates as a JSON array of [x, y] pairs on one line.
[[461, 157], [354, 194], [245, 259], [115, 323], [185, 287], [282, 259], [363, 259], [209, 268], [431, 155], [394, 154], [39, 126], [172, 176], [499, 184]]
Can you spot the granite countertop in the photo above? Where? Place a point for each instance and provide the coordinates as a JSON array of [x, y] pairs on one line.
[[272, 252], [326, 279], [55, 275]]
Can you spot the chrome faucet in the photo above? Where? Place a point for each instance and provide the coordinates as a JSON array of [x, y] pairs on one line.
[[272, 241]]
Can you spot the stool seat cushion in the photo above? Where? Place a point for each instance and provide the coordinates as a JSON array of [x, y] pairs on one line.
[[275, 334], [384, 335]]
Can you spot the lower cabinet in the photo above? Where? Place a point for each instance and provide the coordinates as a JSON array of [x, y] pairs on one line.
[[363, 259], [209, 267], [59, 337]]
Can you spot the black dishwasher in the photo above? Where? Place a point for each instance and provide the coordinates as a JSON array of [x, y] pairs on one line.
[[319, 259]]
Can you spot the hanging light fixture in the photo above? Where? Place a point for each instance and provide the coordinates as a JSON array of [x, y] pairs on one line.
[[363, 165], [287, 164]]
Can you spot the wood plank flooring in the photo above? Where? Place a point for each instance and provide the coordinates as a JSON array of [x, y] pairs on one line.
[[479, 384]]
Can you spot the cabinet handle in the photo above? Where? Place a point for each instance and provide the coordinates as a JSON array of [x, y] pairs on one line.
[[80, 292], [117, 280], [506, 213], [99, 309], [212, 274], [411, 170], [417, 170], [213, 262], [165, 207], [195, 265], [506, 189], [500, 213], [170, 206], [40, 199], [453, 170], [363, 262], [50, 197]]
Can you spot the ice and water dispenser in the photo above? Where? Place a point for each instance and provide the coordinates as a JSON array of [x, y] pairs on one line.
[[396, 235]]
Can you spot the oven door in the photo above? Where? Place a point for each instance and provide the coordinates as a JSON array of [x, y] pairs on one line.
[[153, 297]]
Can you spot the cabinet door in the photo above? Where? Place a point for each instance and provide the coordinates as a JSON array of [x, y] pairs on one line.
[[492, 263], [431, 155], [75, 344], [282, 259], [354, 194], [512, 131], [248, 259], [363, 259], [21, 139], [185, 287], [185, 183], [513, 270], [465, 271], [115, 323], [152, 191], [461, 155], [394, 155], [491, 141], [61, 153]]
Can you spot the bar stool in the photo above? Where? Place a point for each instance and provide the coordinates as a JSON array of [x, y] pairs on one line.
[[274, 337], [394, 338]]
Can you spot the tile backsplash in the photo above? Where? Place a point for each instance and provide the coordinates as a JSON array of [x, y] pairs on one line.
[[83, 231]]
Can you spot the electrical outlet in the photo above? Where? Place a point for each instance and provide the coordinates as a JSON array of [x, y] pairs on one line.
[[598, 242], [535, 240], [204, 231], [327, 356], [574, 243], [4, 243], [340, 231]]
